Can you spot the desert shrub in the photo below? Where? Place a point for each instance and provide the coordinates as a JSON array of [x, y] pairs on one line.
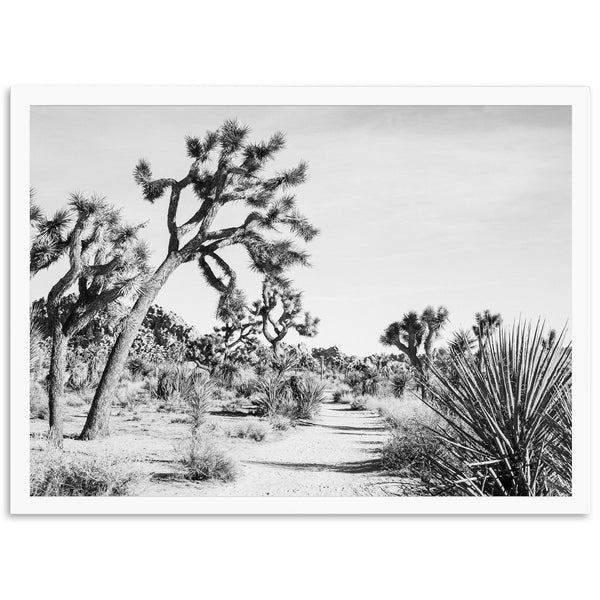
[[197, 394], [202, 461], [139, 368], [366, 380], [175, 382], [560, 455], [272, 395], [410, 450], [502, 416], [38, 400], [285, 362], [358, 403], [233, 405], [399, 381], [308, 393], [59, 474], [280, 422], [338, 387], [342, 397], [79, 379], [254, 430], [180, 419], [227, 373]]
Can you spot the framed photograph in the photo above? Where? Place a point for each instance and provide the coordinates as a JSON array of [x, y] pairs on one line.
[[300, 300]]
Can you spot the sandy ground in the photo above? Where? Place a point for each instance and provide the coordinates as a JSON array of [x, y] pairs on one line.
[[337, 454]]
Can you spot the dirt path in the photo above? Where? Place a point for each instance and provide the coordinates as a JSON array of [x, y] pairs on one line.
[[336, 455]]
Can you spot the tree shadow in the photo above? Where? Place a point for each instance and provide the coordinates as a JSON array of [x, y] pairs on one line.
[[357, 466]]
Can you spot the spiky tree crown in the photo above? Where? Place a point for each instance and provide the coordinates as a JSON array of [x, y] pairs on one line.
[[415, 330], [278, 295], [486, 323], [228, 168], [107, 260]]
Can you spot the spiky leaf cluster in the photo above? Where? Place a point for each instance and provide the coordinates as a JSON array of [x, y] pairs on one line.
[[108, 262]]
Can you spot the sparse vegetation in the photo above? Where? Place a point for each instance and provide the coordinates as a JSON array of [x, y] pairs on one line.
[[202, 460], [61, 474], [483, 411], [251, 429]]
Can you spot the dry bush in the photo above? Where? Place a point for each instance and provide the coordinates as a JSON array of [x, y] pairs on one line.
[[250, 429], [60, 474], [203, 461], [359, 402], [342, 397], [280, 422], [413, 443]]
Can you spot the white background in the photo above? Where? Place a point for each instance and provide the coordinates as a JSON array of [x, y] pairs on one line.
[[425, 43]]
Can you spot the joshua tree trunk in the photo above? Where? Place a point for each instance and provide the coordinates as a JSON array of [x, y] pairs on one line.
[[97, 423], [58, 367]]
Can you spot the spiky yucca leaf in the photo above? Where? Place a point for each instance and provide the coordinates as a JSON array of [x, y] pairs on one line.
[[498, 410]]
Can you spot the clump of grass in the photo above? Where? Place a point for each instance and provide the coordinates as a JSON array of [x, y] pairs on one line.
[[254, 430], [342, 397], [280, 422], [410, 450], [180, 419], [359, 403], [413, 443], [59, 474], [202, 460]]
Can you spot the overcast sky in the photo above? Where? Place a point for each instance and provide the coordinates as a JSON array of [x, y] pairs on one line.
[[469, 207]]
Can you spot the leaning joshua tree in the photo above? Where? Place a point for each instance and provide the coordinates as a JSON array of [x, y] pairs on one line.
[[106, 263], [280, 310], [225, 169], [415, 335]]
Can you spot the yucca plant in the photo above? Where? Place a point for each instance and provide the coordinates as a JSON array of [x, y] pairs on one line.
[[308, 393], [506, 413], [399, 381], [272, 394], [198, 396], [560, 443]]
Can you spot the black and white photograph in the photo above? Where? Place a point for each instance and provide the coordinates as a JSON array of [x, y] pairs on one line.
[[298, 301]]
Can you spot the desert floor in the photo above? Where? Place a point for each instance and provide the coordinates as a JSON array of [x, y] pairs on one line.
[[336, 454]]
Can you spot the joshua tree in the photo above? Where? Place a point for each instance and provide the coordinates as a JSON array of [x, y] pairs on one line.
[[550, 340], [49, 239], [278, 295], [107, 263], [414, 336], [486, 323], [462, 341], [225, 169]]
